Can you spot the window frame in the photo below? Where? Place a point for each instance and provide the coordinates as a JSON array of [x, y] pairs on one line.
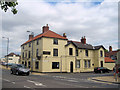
[[54, 52], [37, 42], [77, 64], [101, 53], [55, 65], [37, 63], [55, 41], [70, 51], [37, 52], [86, 53], [85, 63]]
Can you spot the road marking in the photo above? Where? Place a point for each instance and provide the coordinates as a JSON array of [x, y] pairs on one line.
[[72, 80], [27, 87], [36, 83], [13, 82], [6, 80]]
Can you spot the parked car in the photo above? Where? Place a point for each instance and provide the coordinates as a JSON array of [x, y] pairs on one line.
[[101, 70], [19, 69], [10, 64], [4, 63]]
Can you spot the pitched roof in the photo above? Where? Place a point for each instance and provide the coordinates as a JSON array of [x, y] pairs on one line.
[[48, 33], [98, 47], [109, 60], [11, 54], [108, 54], [80, 45]]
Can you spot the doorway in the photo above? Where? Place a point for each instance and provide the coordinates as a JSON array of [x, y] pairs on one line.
[[71, 67], [101, 63]]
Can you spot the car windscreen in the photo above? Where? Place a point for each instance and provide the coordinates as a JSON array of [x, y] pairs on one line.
[[21, 66]]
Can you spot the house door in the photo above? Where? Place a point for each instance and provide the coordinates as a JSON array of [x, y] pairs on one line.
[[71, 67], [101, 63]]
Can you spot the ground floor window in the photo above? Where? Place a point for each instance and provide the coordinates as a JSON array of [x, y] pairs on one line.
[[25, 63], [29, 64], [78, 64], [55, 65], [36, 65], [87, 63]]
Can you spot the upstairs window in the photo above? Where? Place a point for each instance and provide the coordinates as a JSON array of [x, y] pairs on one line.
[[37, 52], [26, 55], [76, 52], [55, 41], [70, 51], [37, 42], [29, 44], [101, 53], [23, 55], [29, 54], [55, 52], [86, 53]]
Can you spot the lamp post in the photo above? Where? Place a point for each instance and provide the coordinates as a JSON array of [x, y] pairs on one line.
[[7, 49], [32, 33]]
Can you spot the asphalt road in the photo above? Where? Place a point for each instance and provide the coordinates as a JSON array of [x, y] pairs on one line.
[[53, 80]]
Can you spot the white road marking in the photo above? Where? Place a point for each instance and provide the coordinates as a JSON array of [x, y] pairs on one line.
[[27, 87], [36, 83], [13, 82], [6, 80], [72, 80]]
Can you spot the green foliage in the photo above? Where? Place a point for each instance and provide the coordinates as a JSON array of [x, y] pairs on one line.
[[106, 50], [6, 5]]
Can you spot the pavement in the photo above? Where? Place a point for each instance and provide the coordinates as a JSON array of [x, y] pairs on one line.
[[106, 79]]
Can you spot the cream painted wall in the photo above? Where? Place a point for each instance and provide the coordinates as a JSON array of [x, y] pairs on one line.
[[109, 65]]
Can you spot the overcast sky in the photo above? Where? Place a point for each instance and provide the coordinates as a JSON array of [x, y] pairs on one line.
[[98, 21]]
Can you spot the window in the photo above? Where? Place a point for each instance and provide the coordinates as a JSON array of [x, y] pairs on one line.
[[29, 44], [37, 65], [36, 52], [86, 52], [29, 64], [25, 63], [29, 54], [55, 41], [55, 65], [78, 63], [46, 52], [85, 64], [70, 51], [10, 59], [76, 52], [101, 53], [55, 52], [37, 42], [26, 55], [89, 64], [23, 55]]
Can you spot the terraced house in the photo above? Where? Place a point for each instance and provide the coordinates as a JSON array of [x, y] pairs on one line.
[[55, 53]]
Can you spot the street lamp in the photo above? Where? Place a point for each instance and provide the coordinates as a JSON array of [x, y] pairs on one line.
[[32, 33], [7, 49]]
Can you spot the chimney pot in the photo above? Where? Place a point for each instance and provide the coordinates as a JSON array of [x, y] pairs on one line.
[[30, 37], [45, 28], [110, 48], [83, 40], [64, 35]]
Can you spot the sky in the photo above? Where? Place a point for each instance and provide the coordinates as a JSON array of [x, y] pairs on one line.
[[97, 20]]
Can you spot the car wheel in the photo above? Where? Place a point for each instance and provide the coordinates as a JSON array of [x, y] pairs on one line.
[[101, 71], [28, 74]]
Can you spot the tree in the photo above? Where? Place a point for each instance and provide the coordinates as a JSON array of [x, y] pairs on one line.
[[5, 5]]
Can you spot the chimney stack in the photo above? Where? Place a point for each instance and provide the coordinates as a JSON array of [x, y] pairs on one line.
[[110, 48], [30, 36], [45, 28], [64, 35], [83, 40]]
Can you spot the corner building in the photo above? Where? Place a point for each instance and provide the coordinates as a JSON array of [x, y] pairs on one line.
[[55, 53]]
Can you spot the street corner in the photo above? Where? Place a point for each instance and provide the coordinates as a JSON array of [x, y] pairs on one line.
[[105, 79]]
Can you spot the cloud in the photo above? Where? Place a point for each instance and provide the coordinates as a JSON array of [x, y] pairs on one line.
[[98, 22]]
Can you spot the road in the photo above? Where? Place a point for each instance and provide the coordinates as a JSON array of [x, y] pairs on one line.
[[53, 80]]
